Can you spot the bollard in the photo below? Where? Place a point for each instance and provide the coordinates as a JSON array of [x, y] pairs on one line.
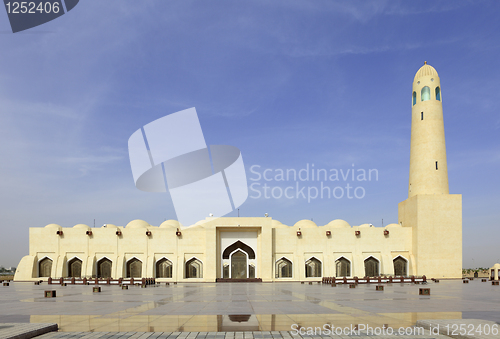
[[494, 282], [483, 280], [424, 291], [465, 281], [379, 288], [49, 294], [6, 283], [124, 287], [436, 280], [96, 289]]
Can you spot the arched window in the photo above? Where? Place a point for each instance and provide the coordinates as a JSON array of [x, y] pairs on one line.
[[75, 268], [313, 268], [414, 98], [104, 268], [134, 268], [438, 93], [400, 267], [371, 267], [44, 267], [164, 268], [425, 94], [343, 267], [194, 268], [284, 268]]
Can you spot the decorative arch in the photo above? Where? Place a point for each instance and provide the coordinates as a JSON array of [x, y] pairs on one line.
[[425, 93], [400, 266], [284, 268], [74, 266], [372, 267], [163, 268], [238, 245], [313, 267], [134, 268], [45, 267], [414, 98], [342, 267], [438, 93], [103, 268], [194, 268]]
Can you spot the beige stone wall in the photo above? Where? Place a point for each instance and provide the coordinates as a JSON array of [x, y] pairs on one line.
[[273, 241]]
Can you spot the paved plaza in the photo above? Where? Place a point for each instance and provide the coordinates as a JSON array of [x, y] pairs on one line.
[[267, 310]]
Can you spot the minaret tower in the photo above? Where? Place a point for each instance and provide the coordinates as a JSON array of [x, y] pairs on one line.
[[428, 167], [434, 215]]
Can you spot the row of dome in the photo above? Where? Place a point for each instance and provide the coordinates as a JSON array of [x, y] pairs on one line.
[[337, 223]]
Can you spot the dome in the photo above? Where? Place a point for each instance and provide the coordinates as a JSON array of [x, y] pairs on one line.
[[109, 226], [55, 226], [338, 223], [170, 224], [497, 266], [81, 226], [137, 224], [277, 224], [426, 70], [305, 224], [393, 225]]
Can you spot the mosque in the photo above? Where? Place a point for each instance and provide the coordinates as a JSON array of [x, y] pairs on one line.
[[427, 240]]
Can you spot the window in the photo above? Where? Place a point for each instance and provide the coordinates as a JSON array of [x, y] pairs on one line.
[[75, 268], [414, 98], [425, 94], [436, 165], [422, 116], [225, 271], [438, 93], [134, 268], [371, 267], [194, 268], [104, 268], [251, 271], [400, 265], [284, 268], [343, 267], [44, 267], [164, 268], [313, 268]]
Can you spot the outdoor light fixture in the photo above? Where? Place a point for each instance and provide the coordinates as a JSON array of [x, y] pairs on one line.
[[89, 233], [299, 233], [328, 233], [386, 232], [118, 232], [59, 233], [178, 233], [357, 233], [148, 233]]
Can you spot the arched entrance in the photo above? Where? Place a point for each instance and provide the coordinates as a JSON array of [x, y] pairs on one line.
[[134, 268], [400, 267], [44, 267], [104, 268], [75, 268], [239, 265], [371, 267]]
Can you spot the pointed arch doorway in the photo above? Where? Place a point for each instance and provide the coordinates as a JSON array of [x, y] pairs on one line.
[[238, 255]]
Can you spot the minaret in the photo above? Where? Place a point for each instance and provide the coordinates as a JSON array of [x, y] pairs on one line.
[[428, 167], [433, 215]]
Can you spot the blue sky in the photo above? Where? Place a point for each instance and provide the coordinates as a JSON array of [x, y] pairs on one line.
[[289, 83]]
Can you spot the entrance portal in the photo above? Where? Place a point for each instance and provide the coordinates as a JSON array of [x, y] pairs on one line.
[[239, 265]]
